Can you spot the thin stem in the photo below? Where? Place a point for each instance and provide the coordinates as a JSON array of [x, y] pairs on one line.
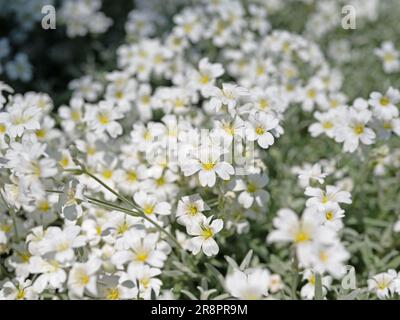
[[118, 195], [13, 217], [54, 191], [135, 214], [139, 212], [112, 205]]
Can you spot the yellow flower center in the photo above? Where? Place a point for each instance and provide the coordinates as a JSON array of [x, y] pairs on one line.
[[107, 173], [329, 215], [122, 228], [119, 94], [63, 246], [103, 118], [204, 79], [383, 284], [142, 256], [21, 294], [41, 133], [5, 227], [312, 93], [251, 188], [91, 150], [160, 181], [132, 176], [99, 230], [312, 280], [192, 209], [207, 233], [323, 256], [334, 103], [64, 162], [43, 205], [302, 236], [208, 166], [384, 101], [229, 129], [387, 125], [388, 57], [145, 282], [263, 103], [76, 116], [359, 129], [147, 136], [260, 70], [83, 278], [327, 125], [2, 128], [145, 99], [260, 130], [25, 256], [148, 209], [113, 294]]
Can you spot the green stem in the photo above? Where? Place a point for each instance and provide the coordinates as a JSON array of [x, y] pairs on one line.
[[139, 212], [118, 195], [13, 217]]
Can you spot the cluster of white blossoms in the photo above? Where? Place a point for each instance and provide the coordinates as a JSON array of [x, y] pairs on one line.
[[389, 56], [361, 124], [83, 16], [386, 284], [315, 235], [17, 67], [328, 14], [157, 166]]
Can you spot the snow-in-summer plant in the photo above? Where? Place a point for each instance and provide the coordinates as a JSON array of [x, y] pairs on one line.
[[220, 157]]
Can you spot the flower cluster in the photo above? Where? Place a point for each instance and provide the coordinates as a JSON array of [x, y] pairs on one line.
[[315, 234], [362, 123], [153, 177]]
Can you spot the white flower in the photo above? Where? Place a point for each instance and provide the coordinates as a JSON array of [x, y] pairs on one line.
[[327, 123], [354, 129], [311, 174], [150, 205], [190, 209], [396, 227], [208, 165], [140, 250], [102, 118], [305, 233], [385, 105], [23, 290], [228, 96], [331, 259], [146, 276], [203, 233], [251, 284], [331, 216], [86, 88], [19, 68], [71, 115], [62, 242], [258, 129], [207, 74], [390, 57], [20, 118], [321, 199], [252, 190], [51, 273], [383, 284], [83, 276], [308, 290]]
